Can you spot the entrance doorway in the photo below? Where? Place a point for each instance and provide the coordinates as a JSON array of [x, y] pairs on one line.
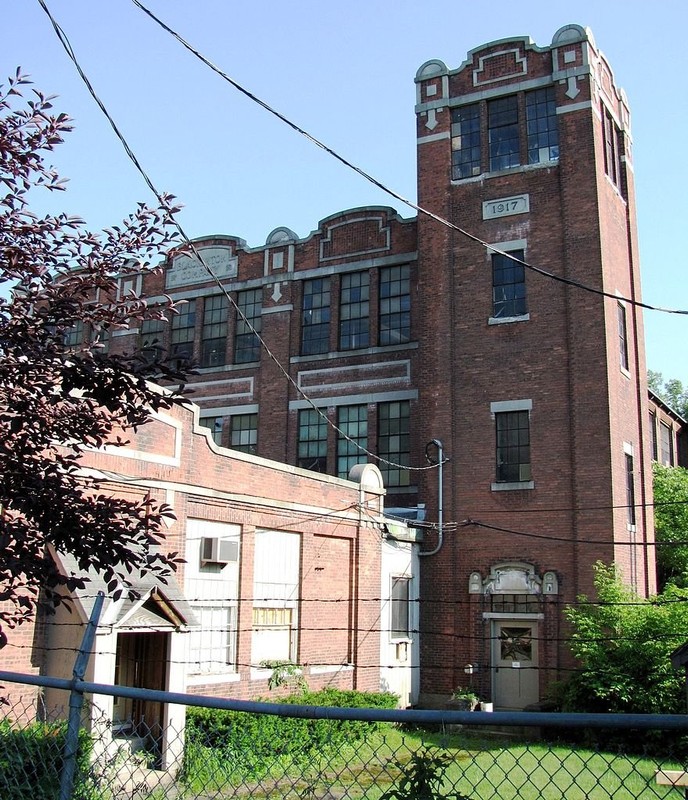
[[515, 663], [141, 662]]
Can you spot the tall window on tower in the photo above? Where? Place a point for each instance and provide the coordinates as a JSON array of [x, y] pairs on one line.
[[541, 123], [502, 129], [508, 286], [465, 141], [315, 317], [354, 308], [630, 490], [395, 305], [612, 143], [623, 336], [513, 446], [247, 344]]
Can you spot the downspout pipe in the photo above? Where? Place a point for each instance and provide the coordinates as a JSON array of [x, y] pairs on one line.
[[440, 493]]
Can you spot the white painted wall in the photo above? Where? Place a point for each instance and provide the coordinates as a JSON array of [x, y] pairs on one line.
[[399, 657]]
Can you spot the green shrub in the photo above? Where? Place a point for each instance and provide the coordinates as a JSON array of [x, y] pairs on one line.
[[247, 745], [623, 644], [31, 761]]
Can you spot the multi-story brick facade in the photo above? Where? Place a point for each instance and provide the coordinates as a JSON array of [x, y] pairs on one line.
[[402, 333]]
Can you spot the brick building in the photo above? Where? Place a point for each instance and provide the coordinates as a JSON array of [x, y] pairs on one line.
[[280, 565], [668, 434], [411, 339]]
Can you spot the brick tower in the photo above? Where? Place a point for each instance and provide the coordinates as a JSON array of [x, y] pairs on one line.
[[535, 385]]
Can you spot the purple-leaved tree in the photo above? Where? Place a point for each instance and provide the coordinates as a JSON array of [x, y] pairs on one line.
[[57, 398]]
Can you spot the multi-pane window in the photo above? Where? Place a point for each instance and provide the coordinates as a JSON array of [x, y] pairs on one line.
[[315, 317], [400, 622], [244, 432], [630, 490], [508, 286], [395, 305], [513, 446], [393, 441], [541, 124], [212, 646], [515, 603], [666, 445], [214, 332], [151, 334], [653, 437], [502, 129], [183, 330], [612, 156], [74, 335], [215, 424], [465, 141], [312, 440], [212, 586], [354, 308], [100, 338], [352, 422], [623, 336], [247, 343]]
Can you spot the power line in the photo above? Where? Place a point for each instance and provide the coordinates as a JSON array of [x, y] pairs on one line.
[[569, 540], [420, 209]]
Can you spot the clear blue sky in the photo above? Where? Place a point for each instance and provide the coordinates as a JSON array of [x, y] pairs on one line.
[[344, 71]]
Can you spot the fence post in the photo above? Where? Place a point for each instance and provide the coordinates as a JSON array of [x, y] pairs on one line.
[[76, 702]]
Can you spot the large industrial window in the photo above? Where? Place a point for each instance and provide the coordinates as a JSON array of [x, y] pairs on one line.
[[74, 335], [542, 127], [513, 446], [248, 325], [183, 331], [502, 128], [352, 422], [354, 309], [465, 141], [151, 338], [312, 441], [244, 433], [395, 305], [508, 286], [393, 441], [215, 424], [315, 317], [214, 333], [400, 623]]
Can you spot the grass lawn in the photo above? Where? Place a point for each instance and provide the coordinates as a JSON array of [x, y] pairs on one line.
[[478, 767]]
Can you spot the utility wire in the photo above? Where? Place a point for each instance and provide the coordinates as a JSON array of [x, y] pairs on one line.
[[164, 203], [388, 190], [476, 523]]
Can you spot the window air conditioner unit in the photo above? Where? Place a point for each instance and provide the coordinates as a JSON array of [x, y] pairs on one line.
[[219, 551]]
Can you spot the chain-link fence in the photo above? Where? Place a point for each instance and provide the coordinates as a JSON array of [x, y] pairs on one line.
[[238, 749]]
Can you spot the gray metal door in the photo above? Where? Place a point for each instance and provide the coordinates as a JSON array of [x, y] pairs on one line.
[[515, 663]]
